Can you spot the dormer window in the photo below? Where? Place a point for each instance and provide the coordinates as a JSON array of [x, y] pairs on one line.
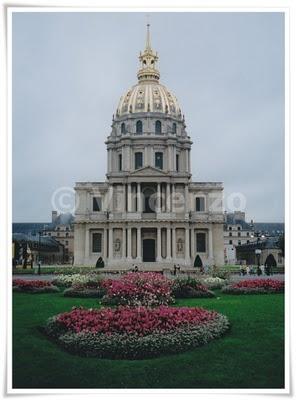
[[158, 127], [123, 129], [139, 127]]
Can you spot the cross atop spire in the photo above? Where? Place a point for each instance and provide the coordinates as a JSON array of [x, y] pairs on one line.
[[148, 41], [148, 59]]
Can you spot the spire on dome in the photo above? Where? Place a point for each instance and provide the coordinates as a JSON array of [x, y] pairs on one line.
[[148, 59], [148, 41]]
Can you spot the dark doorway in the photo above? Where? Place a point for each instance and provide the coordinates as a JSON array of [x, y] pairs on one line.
[[149, 250]]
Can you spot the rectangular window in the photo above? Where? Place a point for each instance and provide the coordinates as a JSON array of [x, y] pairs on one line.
[[177, 162], [238, 234], [200, 204], [230, 241], [97, 204], [138, 160], [200, 242], [96, 242], [159, 160], [120, 162]]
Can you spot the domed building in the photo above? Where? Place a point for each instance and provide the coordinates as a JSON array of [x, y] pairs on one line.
[[148, 213]]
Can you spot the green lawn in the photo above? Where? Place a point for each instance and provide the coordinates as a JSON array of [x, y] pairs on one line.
[[251, 355]]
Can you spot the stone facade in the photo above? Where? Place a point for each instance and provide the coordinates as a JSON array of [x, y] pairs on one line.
[[148, 212]]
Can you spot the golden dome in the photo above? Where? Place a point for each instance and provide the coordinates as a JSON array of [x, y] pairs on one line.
[[148, 95]]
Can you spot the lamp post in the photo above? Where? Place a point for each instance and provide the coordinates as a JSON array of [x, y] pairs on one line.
[[39, 262]]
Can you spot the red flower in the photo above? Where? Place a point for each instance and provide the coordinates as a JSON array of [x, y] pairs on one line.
[[139, 320], [30, 284]]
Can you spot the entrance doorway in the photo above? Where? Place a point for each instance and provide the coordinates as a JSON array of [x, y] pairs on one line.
[[148, 250]]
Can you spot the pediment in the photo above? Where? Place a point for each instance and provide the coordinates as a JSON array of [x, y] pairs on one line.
[[148, 171]]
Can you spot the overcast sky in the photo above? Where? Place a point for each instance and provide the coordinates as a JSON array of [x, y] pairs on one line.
[[226, 69]]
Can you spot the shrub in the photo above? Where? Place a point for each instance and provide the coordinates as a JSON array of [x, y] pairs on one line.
[[255, 286], [76, 279], [214, 283], [190, 287], [34, 286], [135, 333], [134, 289], [89, 289]]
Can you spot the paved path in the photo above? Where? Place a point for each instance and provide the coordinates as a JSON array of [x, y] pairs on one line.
[[233, 277]]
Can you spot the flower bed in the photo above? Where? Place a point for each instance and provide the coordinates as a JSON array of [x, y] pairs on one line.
[[135, 333], [34, 286], [190, 287], [135, 289], [214, 282], [255, 286], [75, 279], [89, 289]]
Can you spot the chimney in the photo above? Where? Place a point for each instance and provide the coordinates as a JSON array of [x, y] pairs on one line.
[[54, 216]]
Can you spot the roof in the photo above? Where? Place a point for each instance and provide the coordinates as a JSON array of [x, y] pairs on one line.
[[35, 227], [269, 243], [28, 227], [46, 242], [231, 220], [270, 228]]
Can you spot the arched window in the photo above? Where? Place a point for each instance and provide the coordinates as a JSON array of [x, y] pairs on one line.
[[139, 127], [123, 128], [157, 127], [174, 127]]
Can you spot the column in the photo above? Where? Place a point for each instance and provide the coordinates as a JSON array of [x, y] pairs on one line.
[[189, 160], [129, 243], [146, 156], [123, 242], [174, 158], [170, 161], [168, 238], [110, 243], [168, 197], [187, 252], [173, 197], [158, 209], [186, 199], [86, 248], [139, 246], [186, 160], [151, 161], [109, 160], [174, 243], [210, 242], [192, 243], [158, 244], [105, 243], [140, 200], [129, 197], [123, 197], [163, 198]]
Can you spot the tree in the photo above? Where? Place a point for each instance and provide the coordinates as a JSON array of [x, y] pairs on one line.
[[281, 244], [197, 262]]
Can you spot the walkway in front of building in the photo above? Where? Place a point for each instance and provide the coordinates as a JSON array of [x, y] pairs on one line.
[[233, 277]]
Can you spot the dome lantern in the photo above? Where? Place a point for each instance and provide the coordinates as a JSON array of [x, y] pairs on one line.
[[148, 59]]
